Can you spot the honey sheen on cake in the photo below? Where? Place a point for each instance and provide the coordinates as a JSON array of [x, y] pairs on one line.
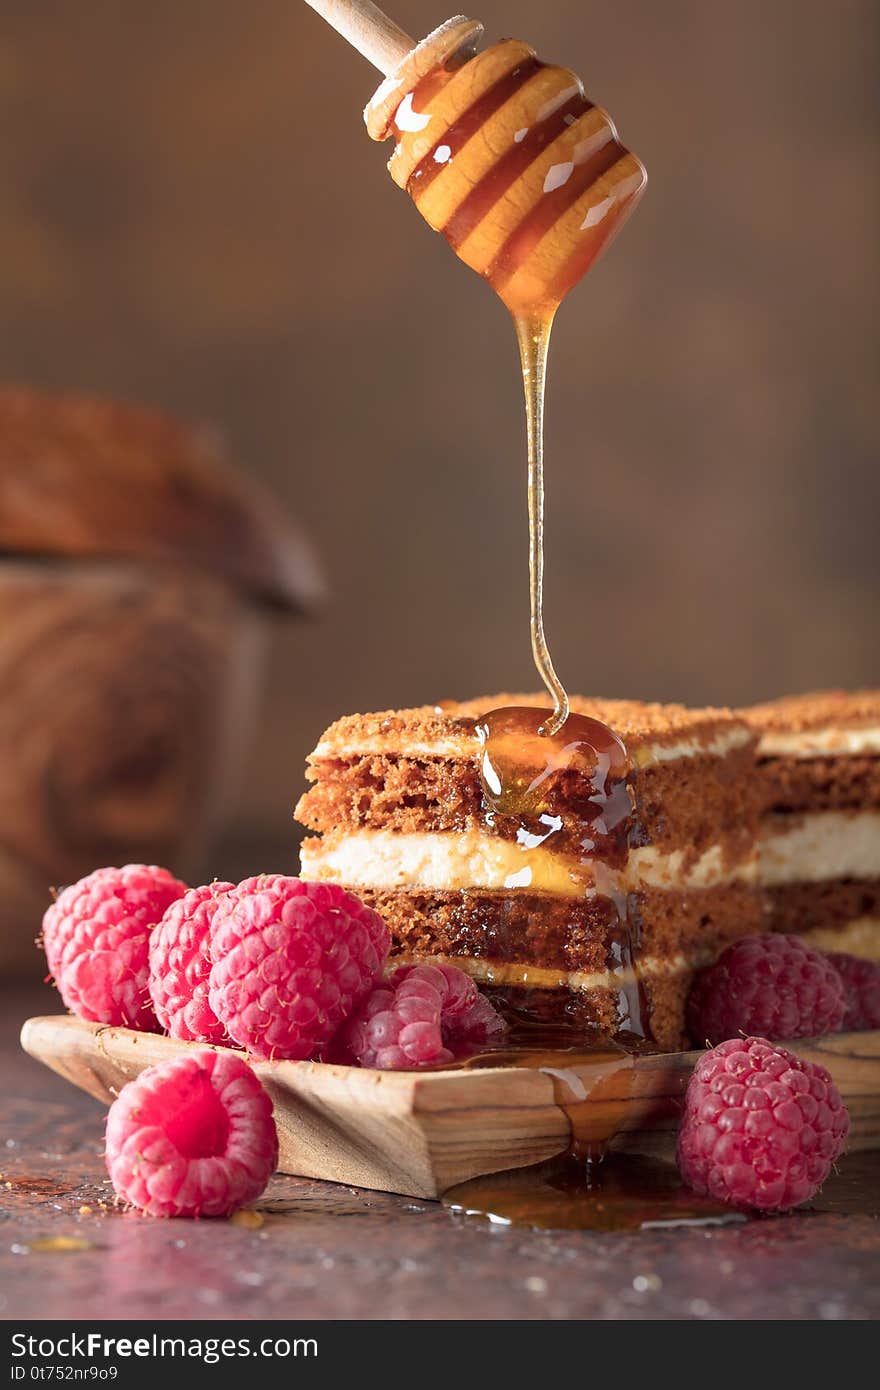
[[819, 764], [581, 878]]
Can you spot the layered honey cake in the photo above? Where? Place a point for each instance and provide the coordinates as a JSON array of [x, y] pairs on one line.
[[582, 879], [819, 857]]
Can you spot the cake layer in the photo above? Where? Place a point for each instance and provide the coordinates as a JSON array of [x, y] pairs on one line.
[[825, 721], [477, 859], [388, 772], [832, 905], [522, 940], [559, 1013], [819, 843], [652, 733], [820, 751], [819, 846], [505, 928], [565, 934], [576, 957], [843, 782]]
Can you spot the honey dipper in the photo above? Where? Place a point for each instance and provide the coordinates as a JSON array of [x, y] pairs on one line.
[[500, 152], [524, 176]]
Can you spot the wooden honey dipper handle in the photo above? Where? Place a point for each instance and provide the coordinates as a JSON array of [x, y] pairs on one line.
[[382, 42], [394, 53]]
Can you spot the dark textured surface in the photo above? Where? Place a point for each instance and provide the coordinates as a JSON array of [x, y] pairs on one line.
[[326, 1251]]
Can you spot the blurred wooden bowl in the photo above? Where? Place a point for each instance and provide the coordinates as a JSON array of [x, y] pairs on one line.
[[137, 573]]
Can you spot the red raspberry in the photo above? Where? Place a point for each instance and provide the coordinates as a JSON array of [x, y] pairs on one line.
[[861, 987], [761, 1127], [192, 1137], [774, 986], [96, 937], [410, 1020], [180, 963], [291, 961]]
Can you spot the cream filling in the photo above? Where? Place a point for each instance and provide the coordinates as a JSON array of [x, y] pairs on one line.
[[717, 747], [820, 743], [513, 973], [445, 862], [861, 937], [818, 846], [458, 746]]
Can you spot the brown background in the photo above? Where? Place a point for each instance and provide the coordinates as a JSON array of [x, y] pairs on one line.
[[191, 214]]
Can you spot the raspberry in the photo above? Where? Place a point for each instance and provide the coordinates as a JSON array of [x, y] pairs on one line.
[[180, 963], [291, 961], [192, 1137], [410, 1020], [96, 937], [761, 1127], [861, 988], [771, 985]]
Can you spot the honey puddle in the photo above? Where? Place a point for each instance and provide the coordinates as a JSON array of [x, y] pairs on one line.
[[586, 1188], [626, 1192]]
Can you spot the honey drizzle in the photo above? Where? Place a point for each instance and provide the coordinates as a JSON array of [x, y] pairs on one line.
[[533, 336], [570, 790], [564, 771], [592, 156]]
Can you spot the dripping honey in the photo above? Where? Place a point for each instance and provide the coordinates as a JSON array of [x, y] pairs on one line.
[[569, 791], [544, 183], [584, 1187], [536, 198]]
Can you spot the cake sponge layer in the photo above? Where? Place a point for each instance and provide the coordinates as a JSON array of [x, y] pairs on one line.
[[826, 722], [519, 940], [414, 771], [651, 732], [831, 906], [841, 783], [563, 934]]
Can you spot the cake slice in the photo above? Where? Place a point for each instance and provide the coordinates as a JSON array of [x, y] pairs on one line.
[[590, 905], [819, 767]]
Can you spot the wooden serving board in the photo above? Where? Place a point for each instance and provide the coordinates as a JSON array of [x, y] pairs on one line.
[[419, 1133]]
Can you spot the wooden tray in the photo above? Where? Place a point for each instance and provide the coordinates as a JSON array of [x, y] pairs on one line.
[[421, 1132]]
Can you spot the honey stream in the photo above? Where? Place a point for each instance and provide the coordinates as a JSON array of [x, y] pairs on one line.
[[533, 336], [527, 180]]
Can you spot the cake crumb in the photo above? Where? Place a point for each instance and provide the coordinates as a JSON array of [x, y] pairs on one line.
[[251, 1220]]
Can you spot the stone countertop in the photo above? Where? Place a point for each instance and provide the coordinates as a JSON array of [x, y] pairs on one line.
[[317, 1250]]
